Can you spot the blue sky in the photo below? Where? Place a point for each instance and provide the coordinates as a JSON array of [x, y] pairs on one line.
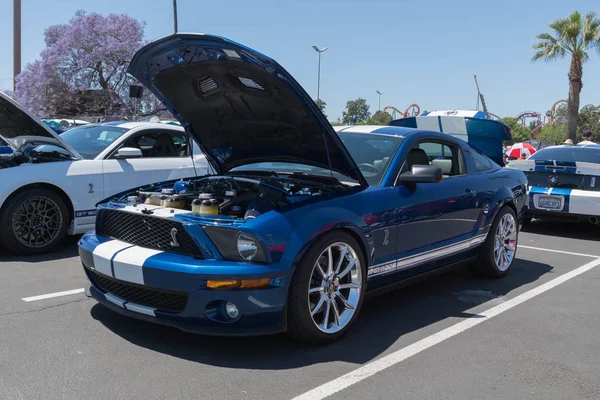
[[414, 51]]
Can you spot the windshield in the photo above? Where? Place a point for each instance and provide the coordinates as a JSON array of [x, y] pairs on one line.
[[89, 141], [587, 154], [371, 152]]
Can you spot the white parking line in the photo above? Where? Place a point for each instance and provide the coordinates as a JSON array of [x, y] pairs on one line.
[[558, 251], [51, 295], [396, 357]]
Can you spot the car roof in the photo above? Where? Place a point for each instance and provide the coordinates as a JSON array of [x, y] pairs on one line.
[[377, 129], [136, 124]]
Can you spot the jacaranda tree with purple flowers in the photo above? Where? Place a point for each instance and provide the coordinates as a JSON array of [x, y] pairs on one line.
[[82, 70]]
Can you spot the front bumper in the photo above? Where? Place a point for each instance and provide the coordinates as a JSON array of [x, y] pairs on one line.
[[170, 289]]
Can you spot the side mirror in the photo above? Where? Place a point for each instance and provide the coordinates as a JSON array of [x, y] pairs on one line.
[[128, 152], [422, 174]]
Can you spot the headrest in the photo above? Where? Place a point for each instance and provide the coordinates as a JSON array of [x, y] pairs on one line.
[[445, 165]]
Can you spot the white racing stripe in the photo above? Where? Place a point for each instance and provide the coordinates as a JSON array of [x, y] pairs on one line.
[[103, 254], [52, 295], [141, 309], [128, 264], [398, 356]]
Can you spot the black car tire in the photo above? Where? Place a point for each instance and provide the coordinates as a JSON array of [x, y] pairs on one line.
[[301, 325], [486, 261], [9, 239]]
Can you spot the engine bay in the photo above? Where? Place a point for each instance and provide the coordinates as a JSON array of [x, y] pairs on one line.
[[31, 157], [234, 196]]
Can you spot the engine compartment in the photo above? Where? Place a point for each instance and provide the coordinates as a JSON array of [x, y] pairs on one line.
[[31, 157], [233, 196]]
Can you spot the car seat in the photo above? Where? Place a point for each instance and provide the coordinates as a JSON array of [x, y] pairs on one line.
[[416, 156]]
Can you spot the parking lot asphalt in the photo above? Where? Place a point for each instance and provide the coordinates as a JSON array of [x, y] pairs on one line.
[[530, 335]]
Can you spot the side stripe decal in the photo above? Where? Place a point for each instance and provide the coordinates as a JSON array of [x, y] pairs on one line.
[[421, 258]]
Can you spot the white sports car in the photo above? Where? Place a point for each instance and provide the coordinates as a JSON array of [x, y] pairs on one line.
[[50, 184], [563, 183]]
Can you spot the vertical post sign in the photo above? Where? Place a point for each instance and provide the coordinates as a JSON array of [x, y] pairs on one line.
[[135, 92]]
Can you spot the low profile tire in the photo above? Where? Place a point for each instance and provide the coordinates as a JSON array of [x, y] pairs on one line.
[[33, 222], [498, 252], [327, 290]]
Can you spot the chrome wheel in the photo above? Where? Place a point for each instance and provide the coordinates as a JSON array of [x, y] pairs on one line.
[[335, 287], [37, 221], [505, 242]]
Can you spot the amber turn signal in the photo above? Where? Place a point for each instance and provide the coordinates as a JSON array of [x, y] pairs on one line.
[[238, 284]]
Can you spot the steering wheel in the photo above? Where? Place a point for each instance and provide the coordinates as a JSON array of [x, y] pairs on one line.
[[374, 169]]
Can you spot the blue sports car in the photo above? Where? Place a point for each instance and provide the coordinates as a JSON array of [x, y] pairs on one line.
[[297, 223]]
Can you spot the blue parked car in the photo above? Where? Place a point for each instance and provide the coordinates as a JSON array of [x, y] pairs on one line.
[[297, 223]]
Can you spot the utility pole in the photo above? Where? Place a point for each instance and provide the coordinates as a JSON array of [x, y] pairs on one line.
[[379, 106], [319, 76], [175, 15], [16, 41]]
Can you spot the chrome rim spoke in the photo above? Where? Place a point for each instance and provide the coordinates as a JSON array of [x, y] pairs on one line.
[[335, 289], [319, 305], [505, 242]]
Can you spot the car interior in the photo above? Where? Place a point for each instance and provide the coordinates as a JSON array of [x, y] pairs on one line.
[[159, 145], [432, 153]]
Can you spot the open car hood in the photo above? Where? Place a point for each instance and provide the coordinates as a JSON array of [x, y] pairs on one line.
[[19, 128], [241, 106]]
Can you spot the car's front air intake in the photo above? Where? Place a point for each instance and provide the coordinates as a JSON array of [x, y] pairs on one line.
[[147, 231]]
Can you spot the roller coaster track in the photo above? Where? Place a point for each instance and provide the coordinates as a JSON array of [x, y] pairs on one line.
[[412, 110]]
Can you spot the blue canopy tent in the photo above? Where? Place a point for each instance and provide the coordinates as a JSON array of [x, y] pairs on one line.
[[486, 135]]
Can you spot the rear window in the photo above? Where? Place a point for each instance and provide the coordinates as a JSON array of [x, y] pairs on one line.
[[570, 153]]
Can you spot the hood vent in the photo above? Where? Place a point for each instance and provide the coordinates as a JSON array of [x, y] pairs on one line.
[[249, 83], [207, 85]]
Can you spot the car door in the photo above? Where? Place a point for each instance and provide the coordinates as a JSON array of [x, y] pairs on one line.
[[165, 156], [433, 215]]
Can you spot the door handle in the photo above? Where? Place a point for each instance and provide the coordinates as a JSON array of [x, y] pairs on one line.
[[470, 193]]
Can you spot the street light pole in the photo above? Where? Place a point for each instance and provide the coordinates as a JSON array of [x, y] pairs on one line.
[[379, 93], [16, 40], [319, 75], [175, 15]]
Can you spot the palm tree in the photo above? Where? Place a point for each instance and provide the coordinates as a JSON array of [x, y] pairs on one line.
[[572, 36]]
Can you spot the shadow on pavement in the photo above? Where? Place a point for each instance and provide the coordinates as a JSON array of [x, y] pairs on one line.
[[382, 321], [571, 230], [66, 249]]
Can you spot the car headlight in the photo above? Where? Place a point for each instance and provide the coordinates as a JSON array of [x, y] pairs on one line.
[[236, 246], [246, 246]]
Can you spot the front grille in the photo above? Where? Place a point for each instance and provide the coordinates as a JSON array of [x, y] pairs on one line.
[[162, 300], [146, 231]]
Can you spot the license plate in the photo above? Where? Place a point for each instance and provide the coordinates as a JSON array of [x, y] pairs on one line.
[[550, 202]]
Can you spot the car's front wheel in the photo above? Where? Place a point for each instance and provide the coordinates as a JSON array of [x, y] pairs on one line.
[[327, 290], [499, 250], [34, 221]]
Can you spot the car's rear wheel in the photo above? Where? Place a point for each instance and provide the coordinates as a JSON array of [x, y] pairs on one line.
[[33, 222], [327, 290], [499, 250]]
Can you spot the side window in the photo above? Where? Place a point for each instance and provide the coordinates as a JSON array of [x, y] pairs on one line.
[[447, 156], [160, 144], [482, 163]]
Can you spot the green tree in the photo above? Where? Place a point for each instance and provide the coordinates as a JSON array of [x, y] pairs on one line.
[[572, 36], [321, 104], [380, 118], [519, 132], [589, 119], [357, 111], [554, 133]]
